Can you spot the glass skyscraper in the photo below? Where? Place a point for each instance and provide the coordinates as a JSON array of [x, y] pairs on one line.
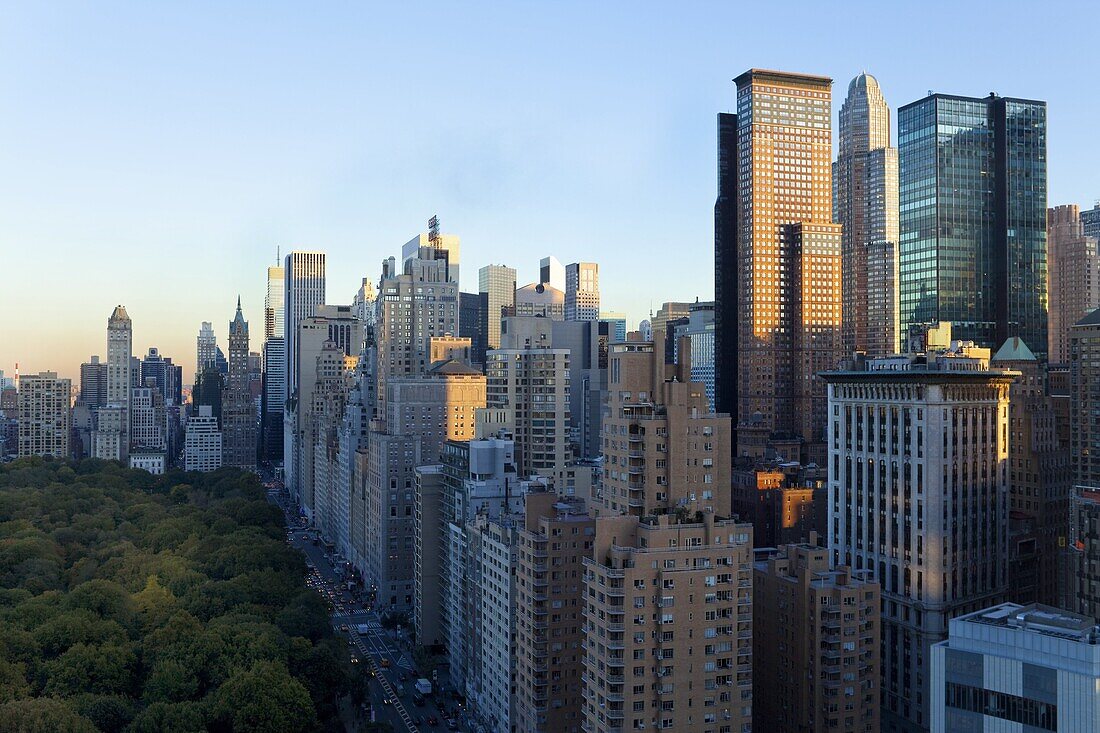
[[973, 196]]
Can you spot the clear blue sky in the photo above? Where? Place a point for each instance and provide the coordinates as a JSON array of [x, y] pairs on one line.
[[155, 154]]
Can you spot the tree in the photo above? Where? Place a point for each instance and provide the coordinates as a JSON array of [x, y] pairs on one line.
[[264, 699], [105, 669], [42, 715], [184, 717]]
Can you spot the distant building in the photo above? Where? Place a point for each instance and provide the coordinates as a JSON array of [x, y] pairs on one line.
[[1016, 668], [111, 436], [540, 300], [45, 417], [1039, 482], [1090, 221], [1085, 452], [275, 303], [616, 325], [865, 204], [816, 633], [699, 331], [202, 447], [238, 411], [206, 348], [153, 462], [664, 450], [582, 291], [475, 323], [148, 419], [785, 502], [552, 273], [93, 383], [498, 284], [303, 292], [1073, 276], [527, 394]]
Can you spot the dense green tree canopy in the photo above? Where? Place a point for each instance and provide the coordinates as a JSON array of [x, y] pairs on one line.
[[135, 603]]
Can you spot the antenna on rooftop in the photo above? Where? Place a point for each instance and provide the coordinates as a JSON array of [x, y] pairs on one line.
[[433, 229]]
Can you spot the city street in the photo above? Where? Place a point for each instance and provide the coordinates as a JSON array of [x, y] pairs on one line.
[[390, 687]]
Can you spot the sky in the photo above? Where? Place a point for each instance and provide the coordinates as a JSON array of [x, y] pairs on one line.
[[157, 154]]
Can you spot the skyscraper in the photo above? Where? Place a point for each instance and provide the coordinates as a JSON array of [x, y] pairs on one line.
[[865, 204], [1073, 277], [582, 291], [206, 348], [93, 383], [111, 437], [918, 494], [1090, 221], [973, 183], [238, 414], [789, 294], [475, 323], [44, 415], [303, 291], [499, 282], [274, 308], [726, 265]]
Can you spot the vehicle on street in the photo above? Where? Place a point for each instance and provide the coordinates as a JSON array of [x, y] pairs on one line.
[[385, 663], [424, 686]]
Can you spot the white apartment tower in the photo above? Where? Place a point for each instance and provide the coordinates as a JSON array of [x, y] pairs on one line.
[[918, 494], [582, 291]]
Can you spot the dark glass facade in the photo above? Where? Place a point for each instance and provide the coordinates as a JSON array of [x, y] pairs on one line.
[[725, 270], [473, 323], [973, 196]]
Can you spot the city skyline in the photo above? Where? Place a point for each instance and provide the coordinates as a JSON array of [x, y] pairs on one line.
[[150, 170]]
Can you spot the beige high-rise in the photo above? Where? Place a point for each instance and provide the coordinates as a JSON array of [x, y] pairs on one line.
[[664, 450], [788, 250], [1073, 277], [556, 538], [45, 415], [668, 615], [820, 630], [865, 204]]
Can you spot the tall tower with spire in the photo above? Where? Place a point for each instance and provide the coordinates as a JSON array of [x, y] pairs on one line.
[[239, 428], [111, 423]]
